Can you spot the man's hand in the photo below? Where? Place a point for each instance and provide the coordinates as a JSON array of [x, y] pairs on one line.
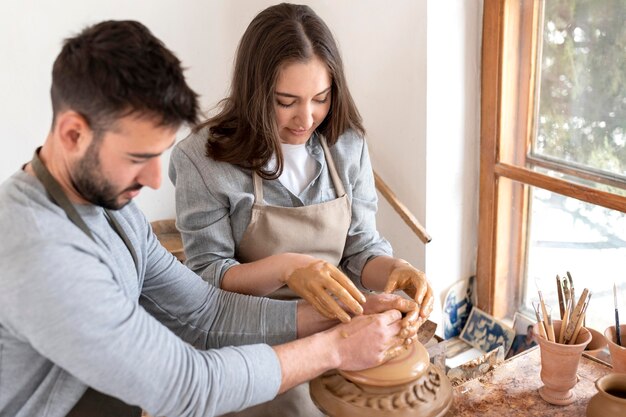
[[364, 342], [318, 282], [413, 282], [378, 303], [367, 341]]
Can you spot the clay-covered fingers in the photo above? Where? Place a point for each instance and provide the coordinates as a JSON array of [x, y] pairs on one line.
[[319, 305], [392, 352], [330, 305], [341, 287], [410, 324], [377, 303], [412, 319], [413, 281], [318, 282], [391, 317], [426, 302]]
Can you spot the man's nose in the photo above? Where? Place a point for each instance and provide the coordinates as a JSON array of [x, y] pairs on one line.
[[150, 175]]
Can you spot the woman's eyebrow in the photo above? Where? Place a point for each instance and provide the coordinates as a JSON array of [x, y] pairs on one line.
[[278, 93]]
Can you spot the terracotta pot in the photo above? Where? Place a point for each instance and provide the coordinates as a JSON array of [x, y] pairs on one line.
[[409, 365], [559, 364], [618, 353], [611, 397], [597, 344]]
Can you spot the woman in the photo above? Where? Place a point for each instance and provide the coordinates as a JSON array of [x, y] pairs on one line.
[[277, 188]]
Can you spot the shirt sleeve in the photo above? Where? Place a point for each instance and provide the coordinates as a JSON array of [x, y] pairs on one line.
[[208, 317], [203, 221], [76, 314], [363, 241]]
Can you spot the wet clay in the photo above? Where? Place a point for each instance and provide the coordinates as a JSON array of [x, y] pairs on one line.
[[407, 385], [409, 365], [428, 396]]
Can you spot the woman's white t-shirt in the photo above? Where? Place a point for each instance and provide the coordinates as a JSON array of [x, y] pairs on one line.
[[298, 169]]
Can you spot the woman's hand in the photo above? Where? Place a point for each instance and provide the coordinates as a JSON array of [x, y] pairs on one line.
[[318, 282], [413, 282]]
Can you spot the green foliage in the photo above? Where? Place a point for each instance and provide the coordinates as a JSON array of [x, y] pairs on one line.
[[582, 98]]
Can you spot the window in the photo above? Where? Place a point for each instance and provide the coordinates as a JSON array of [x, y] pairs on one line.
[[553, 153]]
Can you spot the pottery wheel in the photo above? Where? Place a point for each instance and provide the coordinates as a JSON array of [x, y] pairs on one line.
[[430, 395]]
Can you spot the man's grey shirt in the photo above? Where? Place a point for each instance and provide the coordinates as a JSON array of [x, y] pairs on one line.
[[77, 313]]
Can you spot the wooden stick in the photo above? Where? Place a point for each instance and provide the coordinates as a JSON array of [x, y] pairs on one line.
[[571, 326], [579, 324], [571, 284], [542, 330], [559, 291], [547, 320], [551, 334], [401, 209], [565, 321], [566, 292]]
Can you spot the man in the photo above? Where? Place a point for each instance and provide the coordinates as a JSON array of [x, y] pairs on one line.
[[522, 342], [96, 318]]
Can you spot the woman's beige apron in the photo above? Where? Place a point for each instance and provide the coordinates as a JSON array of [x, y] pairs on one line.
[[318, 230]]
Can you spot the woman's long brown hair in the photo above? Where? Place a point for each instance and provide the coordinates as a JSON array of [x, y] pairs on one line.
[[244, 131]]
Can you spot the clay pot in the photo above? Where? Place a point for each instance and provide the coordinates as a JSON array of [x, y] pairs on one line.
[[618, 353], [597, 344], [611, 397], [559, 364], [409, 365]]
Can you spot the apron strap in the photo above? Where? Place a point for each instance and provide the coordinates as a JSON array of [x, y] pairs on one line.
[[258, 188], [56, 193], [120, 231], [60, 199], [331, 167]]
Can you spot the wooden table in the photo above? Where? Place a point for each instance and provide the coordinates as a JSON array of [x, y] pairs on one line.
[[511, 390]]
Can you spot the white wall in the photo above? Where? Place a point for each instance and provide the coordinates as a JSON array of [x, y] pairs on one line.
[[452, 148], [412, 66], [31, 34]]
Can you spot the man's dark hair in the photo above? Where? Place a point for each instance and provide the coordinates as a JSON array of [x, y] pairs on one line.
[[117, 68]]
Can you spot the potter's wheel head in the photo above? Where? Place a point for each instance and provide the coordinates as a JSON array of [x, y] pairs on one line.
[[409, 365]]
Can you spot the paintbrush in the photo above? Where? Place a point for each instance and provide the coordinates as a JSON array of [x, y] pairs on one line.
[[617, 329]]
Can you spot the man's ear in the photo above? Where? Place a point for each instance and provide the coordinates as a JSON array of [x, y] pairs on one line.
[[73, 131]]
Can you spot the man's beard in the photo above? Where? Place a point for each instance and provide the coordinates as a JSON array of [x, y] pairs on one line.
[[88, 180]]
